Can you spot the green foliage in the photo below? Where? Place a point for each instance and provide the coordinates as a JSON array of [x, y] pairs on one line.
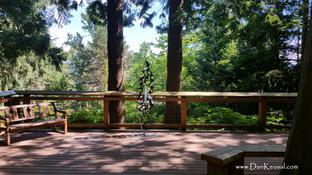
[[242, 42], [233, 46], [59, 82], [26, 31], [93, 113], [23, 31], [135, 64], [205, 114], [156, 114], [277, 118], [88, 62], [25, 50], [86, 115], [133, 10], [30, 72]]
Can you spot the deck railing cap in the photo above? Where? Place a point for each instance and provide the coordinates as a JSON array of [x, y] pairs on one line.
[[162, 93]]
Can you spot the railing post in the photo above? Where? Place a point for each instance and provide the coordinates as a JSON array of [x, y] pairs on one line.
[[183, 109], [262, 114], [106, 114], [26, 99]]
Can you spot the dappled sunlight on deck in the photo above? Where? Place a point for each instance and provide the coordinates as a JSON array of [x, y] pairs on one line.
[[119, 152]]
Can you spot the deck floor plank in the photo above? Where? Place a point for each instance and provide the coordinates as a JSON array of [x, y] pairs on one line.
[[97, 152]]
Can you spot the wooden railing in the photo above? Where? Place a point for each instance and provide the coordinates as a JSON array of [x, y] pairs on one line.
[[183, 98]]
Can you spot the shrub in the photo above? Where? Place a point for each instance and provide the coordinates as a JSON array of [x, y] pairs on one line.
[[205, 114], [276, 117], [86, 115], [155, 116]]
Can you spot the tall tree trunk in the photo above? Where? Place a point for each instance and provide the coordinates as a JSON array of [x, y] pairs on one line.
[[305, 22], [115, 57], [299, 144], [174, 58]]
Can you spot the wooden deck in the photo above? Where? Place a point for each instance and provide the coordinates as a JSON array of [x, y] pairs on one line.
[[98, 152]]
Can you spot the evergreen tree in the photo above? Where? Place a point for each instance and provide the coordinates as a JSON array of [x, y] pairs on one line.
[[174, 58], [247, 45], [23, 31], [116, 14], [88, 63]]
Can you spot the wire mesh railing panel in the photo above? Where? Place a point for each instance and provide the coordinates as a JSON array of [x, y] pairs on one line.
[[222, 113], [156, 114], [80, 112], [194, 109], [279, 113]]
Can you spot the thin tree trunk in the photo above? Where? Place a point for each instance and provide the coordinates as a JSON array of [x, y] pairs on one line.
[[174, 58], [115, 57], [2, 85], [299, 144]]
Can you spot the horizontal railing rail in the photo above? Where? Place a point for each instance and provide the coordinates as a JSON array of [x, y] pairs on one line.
[[183, 98]]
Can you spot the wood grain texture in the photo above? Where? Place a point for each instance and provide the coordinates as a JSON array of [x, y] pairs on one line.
[[21, 117], [169, 94], [225, 160], [160, 153]]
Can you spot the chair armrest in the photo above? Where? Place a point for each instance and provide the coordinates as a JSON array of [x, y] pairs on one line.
[[4, 121], [64, 113]]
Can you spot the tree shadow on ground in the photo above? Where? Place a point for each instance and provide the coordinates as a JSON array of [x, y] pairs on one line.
[[120, 153]]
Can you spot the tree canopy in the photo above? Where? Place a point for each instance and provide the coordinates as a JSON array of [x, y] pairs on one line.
[[24, 33], [229, 45]]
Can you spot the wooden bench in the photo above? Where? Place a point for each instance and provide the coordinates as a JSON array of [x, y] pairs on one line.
[[18, 118], [224, 161]]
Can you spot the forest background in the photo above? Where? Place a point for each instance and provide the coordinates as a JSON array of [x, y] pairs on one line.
[[241, 46]]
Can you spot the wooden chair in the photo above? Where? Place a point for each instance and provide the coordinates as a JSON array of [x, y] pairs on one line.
[[19, 118]]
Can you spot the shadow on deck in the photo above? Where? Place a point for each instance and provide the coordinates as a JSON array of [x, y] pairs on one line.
[[121, 152]]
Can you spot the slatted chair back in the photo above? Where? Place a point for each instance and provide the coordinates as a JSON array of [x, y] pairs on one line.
[[46, 109], [5, 112], [19, 113]]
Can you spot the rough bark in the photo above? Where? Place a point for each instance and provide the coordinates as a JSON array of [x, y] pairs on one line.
[[174, 58], [305, 21], [298, 151], [115, 57]]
